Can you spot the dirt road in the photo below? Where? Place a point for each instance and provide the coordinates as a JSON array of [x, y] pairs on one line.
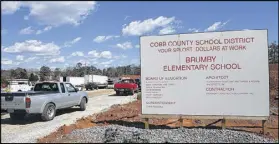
[[32, 128], [100, 92]]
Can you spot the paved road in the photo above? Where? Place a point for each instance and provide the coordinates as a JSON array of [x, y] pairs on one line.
[[32, 128]]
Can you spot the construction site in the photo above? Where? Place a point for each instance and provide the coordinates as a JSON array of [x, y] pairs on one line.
[[139, 72], [128, 115]]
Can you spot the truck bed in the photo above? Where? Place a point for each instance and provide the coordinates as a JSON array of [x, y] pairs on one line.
[[16, 100], [123, 86], [30, 93]]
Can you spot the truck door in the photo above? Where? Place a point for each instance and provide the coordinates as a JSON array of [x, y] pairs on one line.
[[64, 95], [73, 97]]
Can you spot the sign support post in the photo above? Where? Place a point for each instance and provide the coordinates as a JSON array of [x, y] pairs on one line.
[[263, 126], [181, 121], [223, 123], [146, 124]]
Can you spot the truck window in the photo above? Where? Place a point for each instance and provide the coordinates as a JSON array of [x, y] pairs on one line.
[[52, 87], [127, 81], [62, 87], [70, 88]]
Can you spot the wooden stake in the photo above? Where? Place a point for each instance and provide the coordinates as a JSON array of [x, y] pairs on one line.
[[146, 124], [263, 126], [223, 123], [181, 122]]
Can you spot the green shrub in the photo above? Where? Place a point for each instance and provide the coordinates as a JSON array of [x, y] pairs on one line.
[[139, 96]]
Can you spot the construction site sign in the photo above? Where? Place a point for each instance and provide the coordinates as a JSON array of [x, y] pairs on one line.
[[214, 73]]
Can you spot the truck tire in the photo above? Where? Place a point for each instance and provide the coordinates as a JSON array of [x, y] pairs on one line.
[[49, 112], [117, 93], [17, 116], [82, 104]]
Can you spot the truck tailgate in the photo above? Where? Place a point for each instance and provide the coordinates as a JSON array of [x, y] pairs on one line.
[[12, 100], [123, 85]]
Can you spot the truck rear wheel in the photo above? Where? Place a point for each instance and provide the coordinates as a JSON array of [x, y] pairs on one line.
[[82, 104], [117, 93], [17, 116], [49, 112]]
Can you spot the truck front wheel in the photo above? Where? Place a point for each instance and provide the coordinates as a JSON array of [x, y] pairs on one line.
[[17, 116], [82, 104], [49, 112]]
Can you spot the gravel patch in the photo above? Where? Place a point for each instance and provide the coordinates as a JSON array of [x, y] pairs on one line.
[[121, 134]]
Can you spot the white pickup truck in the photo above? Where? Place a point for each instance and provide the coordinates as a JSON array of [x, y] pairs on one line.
[[45, 99]]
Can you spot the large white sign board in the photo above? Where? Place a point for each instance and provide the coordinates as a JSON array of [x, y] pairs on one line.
[[216, 73]]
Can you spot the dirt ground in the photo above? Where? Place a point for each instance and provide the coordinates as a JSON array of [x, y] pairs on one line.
[[129, 115]]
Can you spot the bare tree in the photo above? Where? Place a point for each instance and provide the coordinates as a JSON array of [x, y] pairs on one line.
[[45, 73]]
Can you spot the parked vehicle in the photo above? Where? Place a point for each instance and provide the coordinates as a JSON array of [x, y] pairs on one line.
[[126, 86], [110, 84], [45, 99], [16, 85], [91, 86], [75, 81], [101, 81]]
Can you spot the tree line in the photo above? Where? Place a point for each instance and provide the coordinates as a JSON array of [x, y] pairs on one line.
[[273, 53], [45, 73]]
